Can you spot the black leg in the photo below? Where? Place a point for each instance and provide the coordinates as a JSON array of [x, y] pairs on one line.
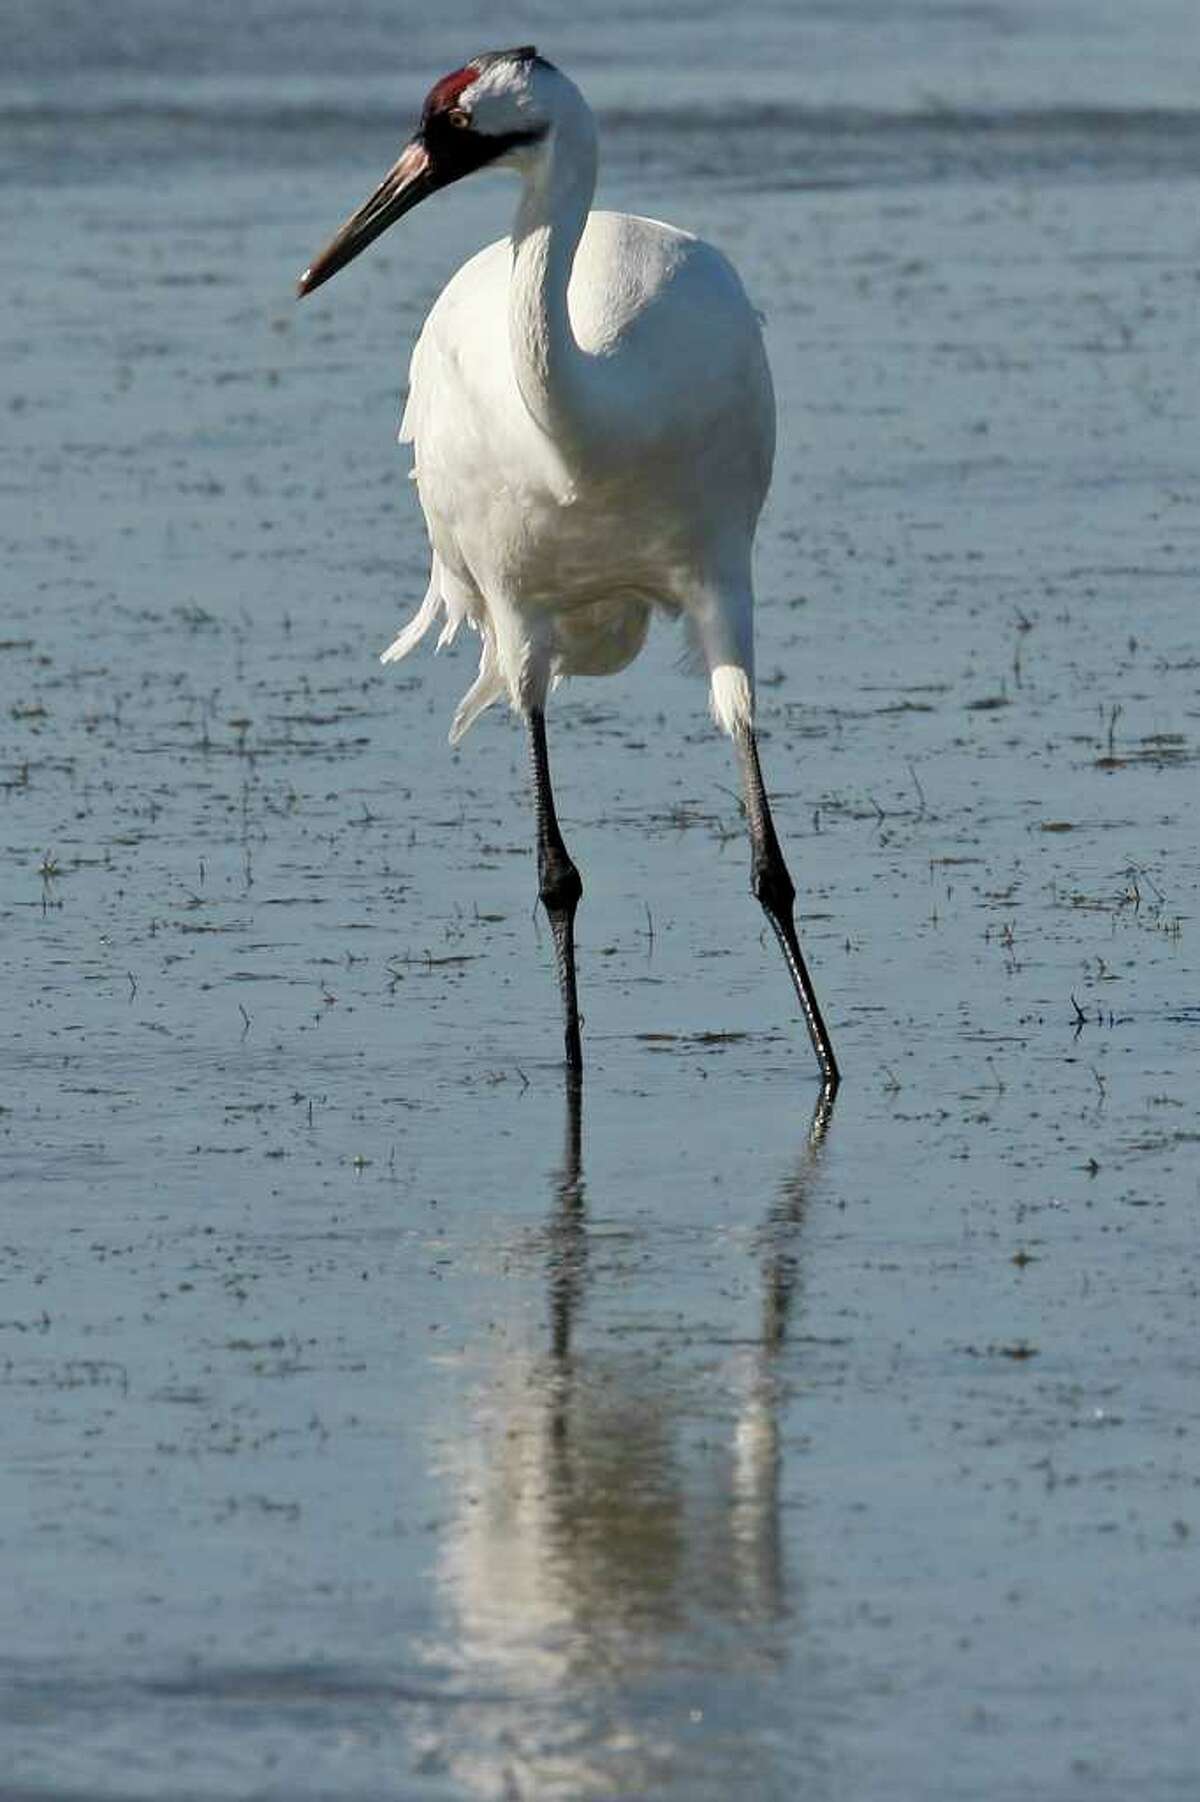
[[559, 886], [772, 885]]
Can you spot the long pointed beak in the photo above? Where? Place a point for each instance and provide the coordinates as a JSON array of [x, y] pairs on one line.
[[406, 183]]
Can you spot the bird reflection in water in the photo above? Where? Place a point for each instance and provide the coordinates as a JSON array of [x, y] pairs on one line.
[[615, 1571]]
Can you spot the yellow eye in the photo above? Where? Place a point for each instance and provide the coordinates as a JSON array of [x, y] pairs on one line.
[[459, 118]]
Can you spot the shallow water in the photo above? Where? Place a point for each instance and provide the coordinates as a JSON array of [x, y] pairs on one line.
[[373, 1425]]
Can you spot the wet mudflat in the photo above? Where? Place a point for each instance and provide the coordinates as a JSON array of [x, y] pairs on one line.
[[376, 1424]]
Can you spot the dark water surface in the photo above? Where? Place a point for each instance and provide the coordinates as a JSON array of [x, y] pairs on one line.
[[375, 1427]]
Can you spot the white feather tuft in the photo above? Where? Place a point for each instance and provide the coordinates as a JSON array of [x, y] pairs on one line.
[[731, 698]]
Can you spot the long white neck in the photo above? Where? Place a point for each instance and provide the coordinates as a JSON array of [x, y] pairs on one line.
[[558, 183]]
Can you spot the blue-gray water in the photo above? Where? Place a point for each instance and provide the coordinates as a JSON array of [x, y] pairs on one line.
[[372, 1429]]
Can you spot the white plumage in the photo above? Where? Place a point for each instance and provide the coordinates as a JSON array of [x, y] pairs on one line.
[[593, 428], [556, 547]]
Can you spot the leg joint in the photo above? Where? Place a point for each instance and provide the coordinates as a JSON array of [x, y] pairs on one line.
[[771, 885], [560, 885]]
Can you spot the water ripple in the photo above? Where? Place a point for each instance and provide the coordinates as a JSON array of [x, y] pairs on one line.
[[49, 144]]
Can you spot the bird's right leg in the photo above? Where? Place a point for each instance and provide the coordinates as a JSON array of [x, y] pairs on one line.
[[776, 893], [559, 885]]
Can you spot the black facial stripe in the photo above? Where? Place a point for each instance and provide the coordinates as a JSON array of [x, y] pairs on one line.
[[456, 150]]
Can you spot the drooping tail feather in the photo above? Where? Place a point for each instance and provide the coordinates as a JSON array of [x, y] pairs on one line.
[[443, 593], [452, 597], [488, 686], [416, 628]]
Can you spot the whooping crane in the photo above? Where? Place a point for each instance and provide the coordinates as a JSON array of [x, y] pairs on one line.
[[593, 427]]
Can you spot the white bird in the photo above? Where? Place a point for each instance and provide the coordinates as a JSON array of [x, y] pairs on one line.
[[593, 426]]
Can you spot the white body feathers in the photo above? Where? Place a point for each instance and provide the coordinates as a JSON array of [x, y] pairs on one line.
[[593, 428]]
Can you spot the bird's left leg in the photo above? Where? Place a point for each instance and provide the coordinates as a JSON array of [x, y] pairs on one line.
[[773, 886], [559, 885]]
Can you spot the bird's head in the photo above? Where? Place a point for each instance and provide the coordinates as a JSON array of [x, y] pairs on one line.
[[491, 111]]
